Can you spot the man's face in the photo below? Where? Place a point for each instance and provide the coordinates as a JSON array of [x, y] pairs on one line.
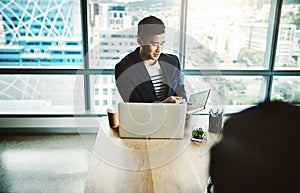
[[152, 46]]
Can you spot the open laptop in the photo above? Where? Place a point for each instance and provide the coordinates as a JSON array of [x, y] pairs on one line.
[[152, 120], [197, 101]]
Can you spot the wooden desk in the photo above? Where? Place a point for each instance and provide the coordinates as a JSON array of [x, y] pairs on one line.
[[149, 165]]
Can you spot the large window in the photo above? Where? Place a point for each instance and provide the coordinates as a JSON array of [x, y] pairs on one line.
[[237, 39], [53, 61], [41, 94], [227, 34], [113, 32], [38, 35]]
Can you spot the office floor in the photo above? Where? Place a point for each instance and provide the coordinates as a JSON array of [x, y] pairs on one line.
[[56, 163]]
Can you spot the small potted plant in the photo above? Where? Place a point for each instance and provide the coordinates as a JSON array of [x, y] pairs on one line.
[[198, 133]]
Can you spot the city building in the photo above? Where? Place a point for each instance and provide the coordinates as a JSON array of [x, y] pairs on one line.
[[288, 46], [39, 35], [36, 35]]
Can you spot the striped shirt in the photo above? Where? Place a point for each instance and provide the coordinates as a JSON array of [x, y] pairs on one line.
[[158, 80]]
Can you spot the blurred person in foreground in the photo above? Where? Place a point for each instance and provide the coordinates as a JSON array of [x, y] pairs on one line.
[[147, 74], [259, 151]]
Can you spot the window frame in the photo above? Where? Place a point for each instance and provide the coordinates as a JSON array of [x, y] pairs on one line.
[[268, 73]]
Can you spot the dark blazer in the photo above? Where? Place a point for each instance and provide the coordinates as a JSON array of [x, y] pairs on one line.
[[134, 82]]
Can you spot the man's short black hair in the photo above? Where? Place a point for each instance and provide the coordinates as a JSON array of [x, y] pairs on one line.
[[150, 25]]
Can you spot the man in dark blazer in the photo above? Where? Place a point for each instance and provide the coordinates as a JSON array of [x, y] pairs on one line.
[[148, 75]]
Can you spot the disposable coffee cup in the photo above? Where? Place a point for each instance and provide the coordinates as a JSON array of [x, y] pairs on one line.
[[112, 118]]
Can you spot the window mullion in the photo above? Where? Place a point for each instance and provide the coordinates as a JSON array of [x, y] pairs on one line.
[[182, 40], [270, 53], [85, 45]]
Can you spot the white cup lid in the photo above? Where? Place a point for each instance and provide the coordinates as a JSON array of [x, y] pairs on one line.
[[110, 109]]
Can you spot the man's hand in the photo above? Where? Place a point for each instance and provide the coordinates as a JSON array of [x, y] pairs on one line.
[[174, 99]]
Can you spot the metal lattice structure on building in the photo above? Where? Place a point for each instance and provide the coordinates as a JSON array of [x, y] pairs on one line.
[[39, 33], [36, 18]]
